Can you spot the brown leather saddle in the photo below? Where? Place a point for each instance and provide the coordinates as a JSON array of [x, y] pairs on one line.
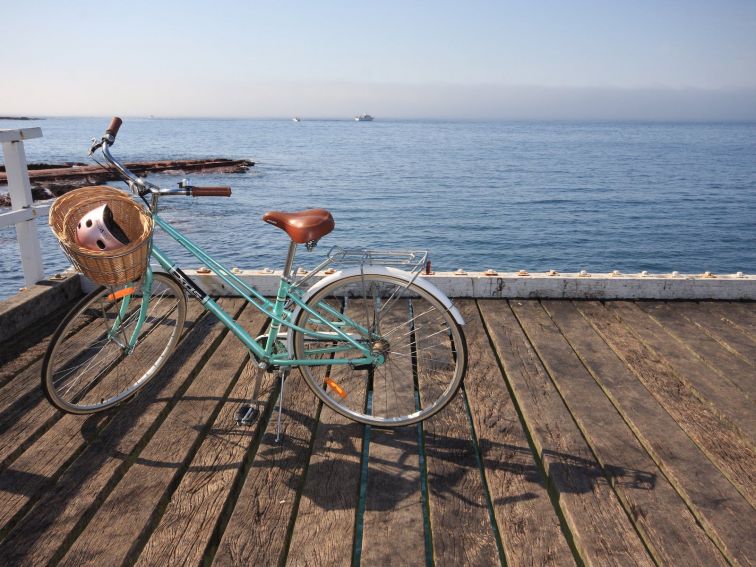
[[303, 226]]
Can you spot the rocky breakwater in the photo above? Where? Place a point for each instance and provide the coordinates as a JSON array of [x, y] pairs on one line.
[[53, 180]]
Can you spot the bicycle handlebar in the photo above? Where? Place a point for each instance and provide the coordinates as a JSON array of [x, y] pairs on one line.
[[112, 129], [218, 191], [139, 185]]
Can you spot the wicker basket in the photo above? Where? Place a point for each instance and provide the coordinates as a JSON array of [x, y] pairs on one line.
[[104, 267]]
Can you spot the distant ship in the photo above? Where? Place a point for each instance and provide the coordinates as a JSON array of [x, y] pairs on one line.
[[363, 118], [297, 119]]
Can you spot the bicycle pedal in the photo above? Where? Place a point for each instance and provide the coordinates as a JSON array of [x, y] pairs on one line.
[[246, 414]]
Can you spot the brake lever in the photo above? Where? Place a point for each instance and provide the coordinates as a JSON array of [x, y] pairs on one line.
[[144, 187], [96, 145]]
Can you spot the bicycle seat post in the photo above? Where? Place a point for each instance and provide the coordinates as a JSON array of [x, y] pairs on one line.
[[289, 265]]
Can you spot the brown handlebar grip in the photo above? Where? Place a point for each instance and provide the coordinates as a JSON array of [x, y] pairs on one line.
[[220, 191], [115, 124]]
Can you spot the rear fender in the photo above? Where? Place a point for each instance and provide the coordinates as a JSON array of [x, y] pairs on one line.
[[383, 271]]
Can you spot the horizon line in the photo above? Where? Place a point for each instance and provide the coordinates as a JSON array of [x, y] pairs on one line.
[[31, 117]]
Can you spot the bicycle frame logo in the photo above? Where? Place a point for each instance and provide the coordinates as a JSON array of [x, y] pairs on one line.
[[188, 284]]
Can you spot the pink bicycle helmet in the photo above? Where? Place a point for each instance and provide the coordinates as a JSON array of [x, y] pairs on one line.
[[98, 230]]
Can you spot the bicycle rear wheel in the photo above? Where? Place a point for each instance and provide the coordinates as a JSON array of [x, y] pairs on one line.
[[89, 366], [422, 345]]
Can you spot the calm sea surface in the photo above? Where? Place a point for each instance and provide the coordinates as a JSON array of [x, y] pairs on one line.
[[503, 195]]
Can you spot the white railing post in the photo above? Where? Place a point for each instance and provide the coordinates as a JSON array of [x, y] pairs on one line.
[[22, 207]]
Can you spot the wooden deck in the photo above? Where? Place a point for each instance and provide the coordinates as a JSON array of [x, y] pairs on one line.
[[591, 433]]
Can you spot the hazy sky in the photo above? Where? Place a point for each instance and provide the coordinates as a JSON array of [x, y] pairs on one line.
[[567, 59]]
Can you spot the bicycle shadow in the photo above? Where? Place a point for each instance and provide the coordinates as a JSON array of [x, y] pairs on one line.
[[397, 459], [455, 459]]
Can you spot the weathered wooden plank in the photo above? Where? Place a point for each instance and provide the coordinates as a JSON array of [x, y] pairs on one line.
[[107, 538], [187, 525], [92, 486], [602, 532], [46, 329], [703, 346], [723, 394], [528, 525], [740, 316], [50, 180], [720, 439], [323, 532], [668, 527], [24, 411], [720, 329], [724, 513], [461, 528], [324, 527], [393, 519], [24, 350], [256, 531], [41, 463], [740, 313], [37, 538]]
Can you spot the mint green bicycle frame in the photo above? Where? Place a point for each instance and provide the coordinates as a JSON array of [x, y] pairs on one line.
[[288, 294]]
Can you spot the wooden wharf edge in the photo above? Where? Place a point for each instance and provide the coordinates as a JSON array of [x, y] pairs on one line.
[[509, 285], [545, 457]]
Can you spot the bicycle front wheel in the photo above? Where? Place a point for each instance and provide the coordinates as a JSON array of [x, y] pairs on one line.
[[422, 348], [94, 361]]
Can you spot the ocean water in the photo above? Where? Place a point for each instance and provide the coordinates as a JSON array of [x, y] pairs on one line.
[[503, 195]]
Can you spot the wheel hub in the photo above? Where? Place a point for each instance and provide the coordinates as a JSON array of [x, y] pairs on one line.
[[381, 347]]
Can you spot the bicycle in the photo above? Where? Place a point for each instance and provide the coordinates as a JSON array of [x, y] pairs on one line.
[[377, 344]]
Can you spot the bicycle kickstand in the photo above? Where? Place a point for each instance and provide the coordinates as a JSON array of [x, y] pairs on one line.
[[282, 374]]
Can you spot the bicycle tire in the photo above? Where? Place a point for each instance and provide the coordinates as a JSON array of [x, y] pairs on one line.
[[86, 368], [424, 348]]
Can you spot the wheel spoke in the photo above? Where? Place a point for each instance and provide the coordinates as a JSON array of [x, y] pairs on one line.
[[419, 341], [410, 323], [88, 370]]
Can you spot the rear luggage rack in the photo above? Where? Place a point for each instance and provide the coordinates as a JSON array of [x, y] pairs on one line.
[[412, 261]]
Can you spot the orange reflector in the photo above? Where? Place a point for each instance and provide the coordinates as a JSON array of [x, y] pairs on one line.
[[336, 388], [120, 293]]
